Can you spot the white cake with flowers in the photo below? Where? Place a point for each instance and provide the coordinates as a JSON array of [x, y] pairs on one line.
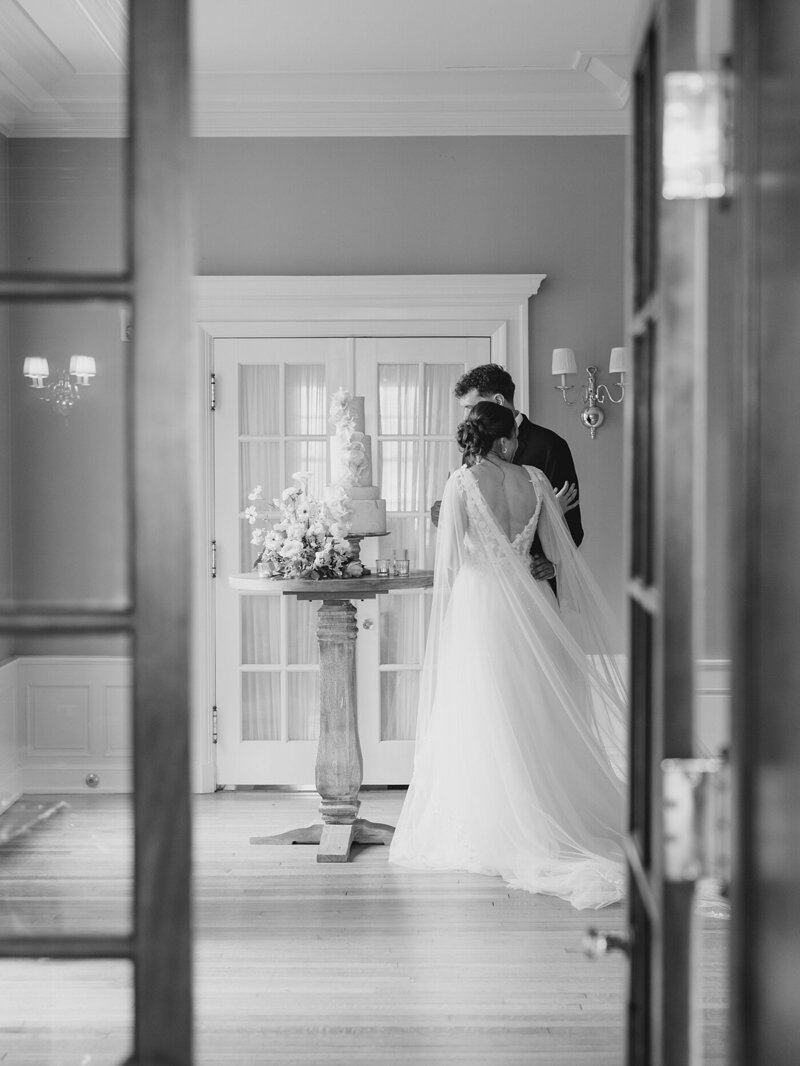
[[350, 451]]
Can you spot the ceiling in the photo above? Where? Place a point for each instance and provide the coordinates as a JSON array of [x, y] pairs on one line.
[[333, 67]]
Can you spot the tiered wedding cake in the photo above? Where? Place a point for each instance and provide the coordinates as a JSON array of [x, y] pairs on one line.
[[351, 467]]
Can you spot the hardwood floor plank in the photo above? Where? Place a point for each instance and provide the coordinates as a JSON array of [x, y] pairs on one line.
[[300, 962]]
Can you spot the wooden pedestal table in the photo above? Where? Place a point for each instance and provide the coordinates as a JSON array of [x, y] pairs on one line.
[[339, 768]]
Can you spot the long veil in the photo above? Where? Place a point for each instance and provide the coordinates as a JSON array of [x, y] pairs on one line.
[[520, 755], [582, 626]]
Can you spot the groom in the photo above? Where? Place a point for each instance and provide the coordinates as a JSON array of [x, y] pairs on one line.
[[536, 446]]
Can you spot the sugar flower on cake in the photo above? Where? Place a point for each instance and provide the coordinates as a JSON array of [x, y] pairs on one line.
[[352, 451], [309, 540]]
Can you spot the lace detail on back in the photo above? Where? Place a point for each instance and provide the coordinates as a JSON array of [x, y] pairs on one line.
[[490, 536]]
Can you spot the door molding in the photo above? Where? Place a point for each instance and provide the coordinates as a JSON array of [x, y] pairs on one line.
[[491, 305]]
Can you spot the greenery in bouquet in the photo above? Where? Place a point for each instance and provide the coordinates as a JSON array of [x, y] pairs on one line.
[[308, 541]]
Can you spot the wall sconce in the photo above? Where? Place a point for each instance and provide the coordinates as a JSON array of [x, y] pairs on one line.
[[593, 395], [60, 391]]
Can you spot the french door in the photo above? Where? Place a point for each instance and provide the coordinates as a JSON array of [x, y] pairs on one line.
[[271, 419], [53, 958]]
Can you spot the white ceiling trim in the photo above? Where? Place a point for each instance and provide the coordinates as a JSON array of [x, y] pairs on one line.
[[92, 109], [62, 75], [582, 123]]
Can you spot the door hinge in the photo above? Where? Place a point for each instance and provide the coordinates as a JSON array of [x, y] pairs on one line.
[[214, 730], [213, 392], [697, 819], [213, 558]]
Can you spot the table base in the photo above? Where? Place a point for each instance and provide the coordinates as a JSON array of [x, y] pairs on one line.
[[334, 840]]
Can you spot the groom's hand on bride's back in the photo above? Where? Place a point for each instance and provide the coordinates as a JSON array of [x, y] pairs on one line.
[[541, 568], [435, 508]]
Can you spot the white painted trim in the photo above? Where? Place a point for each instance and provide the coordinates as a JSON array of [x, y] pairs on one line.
[[578, 123], [10, 773], [55, 770], [238, 107], [491, 305], [345, 297], [203, 675]]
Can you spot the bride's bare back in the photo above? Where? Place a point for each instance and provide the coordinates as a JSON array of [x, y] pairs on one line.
[[508, 492]]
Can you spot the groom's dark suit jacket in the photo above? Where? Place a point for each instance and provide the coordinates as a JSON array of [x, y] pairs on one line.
[[542, 448]]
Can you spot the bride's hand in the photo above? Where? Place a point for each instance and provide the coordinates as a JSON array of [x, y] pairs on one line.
[[567, 497]]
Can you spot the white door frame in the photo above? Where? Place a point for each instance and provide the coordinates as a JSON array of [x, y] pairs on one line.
[[491, 305]]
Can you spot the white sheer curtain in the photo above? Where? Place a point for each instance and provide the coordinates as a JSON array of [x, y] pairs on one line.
[[401, 646], [302, 650], [259, 400], [398, 399], [442, 414], [306, 402], [417, 418], [261, 646], [282, 429], [441, 407]]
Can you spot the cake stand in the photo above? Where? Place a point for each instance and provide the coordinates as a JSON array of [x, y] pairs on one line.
[[355, 546]]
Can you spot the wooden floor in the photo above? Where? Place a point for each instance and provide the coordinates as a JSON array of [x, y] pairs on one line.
[[299, 962]]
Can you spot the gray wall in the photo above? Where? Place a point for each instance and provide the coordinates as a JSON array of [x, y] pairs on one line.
[[550, 205], [5, 408]]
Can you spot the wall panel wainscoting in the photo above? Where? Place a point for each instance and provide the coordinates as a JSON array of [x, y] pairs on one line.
[[73, 723]]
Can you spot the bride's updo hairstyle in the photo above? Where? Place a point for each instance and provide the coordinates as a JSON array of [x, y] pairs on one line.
[[486, 423]]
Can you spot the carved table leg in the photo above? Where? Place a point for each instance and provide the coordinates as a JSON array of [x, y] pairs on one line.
[[339, 764], [339, 770]]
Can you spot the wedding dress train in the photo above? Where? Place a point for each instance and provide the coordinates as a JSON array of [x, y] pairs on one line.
[[519, 759]]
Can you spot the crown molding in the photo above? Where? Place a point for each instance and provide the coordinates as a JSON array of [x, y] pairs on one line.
[[312, 121], [588, 99], [375, 297]]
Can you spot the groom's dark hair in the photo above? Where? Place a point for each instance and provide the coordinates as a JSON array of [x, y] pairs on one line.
[[487, 379]]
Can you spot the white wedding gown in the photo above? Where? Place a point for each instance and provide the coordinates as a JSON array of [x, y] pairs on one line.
[[519, 760]]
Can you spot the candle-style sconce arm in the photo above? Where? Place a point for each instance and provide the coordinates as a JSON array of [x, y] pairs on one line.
[[602, 392], [564, 388]]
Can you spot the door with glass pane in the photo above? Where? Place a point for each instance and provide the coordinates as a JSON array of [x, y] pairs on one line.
[[271, 421], [411, 415]]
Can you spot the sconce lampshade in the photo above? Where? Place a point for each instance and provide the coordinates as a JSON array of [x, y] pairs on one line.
[[35, 368], [619, 363], [83, 368], [564, 361]]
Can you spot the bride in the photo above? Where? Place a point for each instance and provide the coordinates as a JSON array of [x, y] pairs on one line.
[[519, 759]]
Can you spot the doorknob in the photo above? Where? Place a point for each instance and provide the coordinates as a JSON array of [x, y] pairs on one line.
[[597, 943], [368, 623]]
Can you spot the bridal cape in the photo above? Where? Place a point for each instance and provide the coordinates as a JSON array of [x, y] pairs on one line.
[[521, 729]]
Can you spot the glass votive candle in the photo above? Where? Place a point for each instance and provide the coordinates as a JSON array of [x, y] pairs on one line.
[[382, 567], [403, 567]]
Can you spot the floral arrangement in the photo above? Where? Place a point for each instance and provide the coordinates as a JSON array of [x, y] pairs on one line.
[[352, 452], [308, 541]]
